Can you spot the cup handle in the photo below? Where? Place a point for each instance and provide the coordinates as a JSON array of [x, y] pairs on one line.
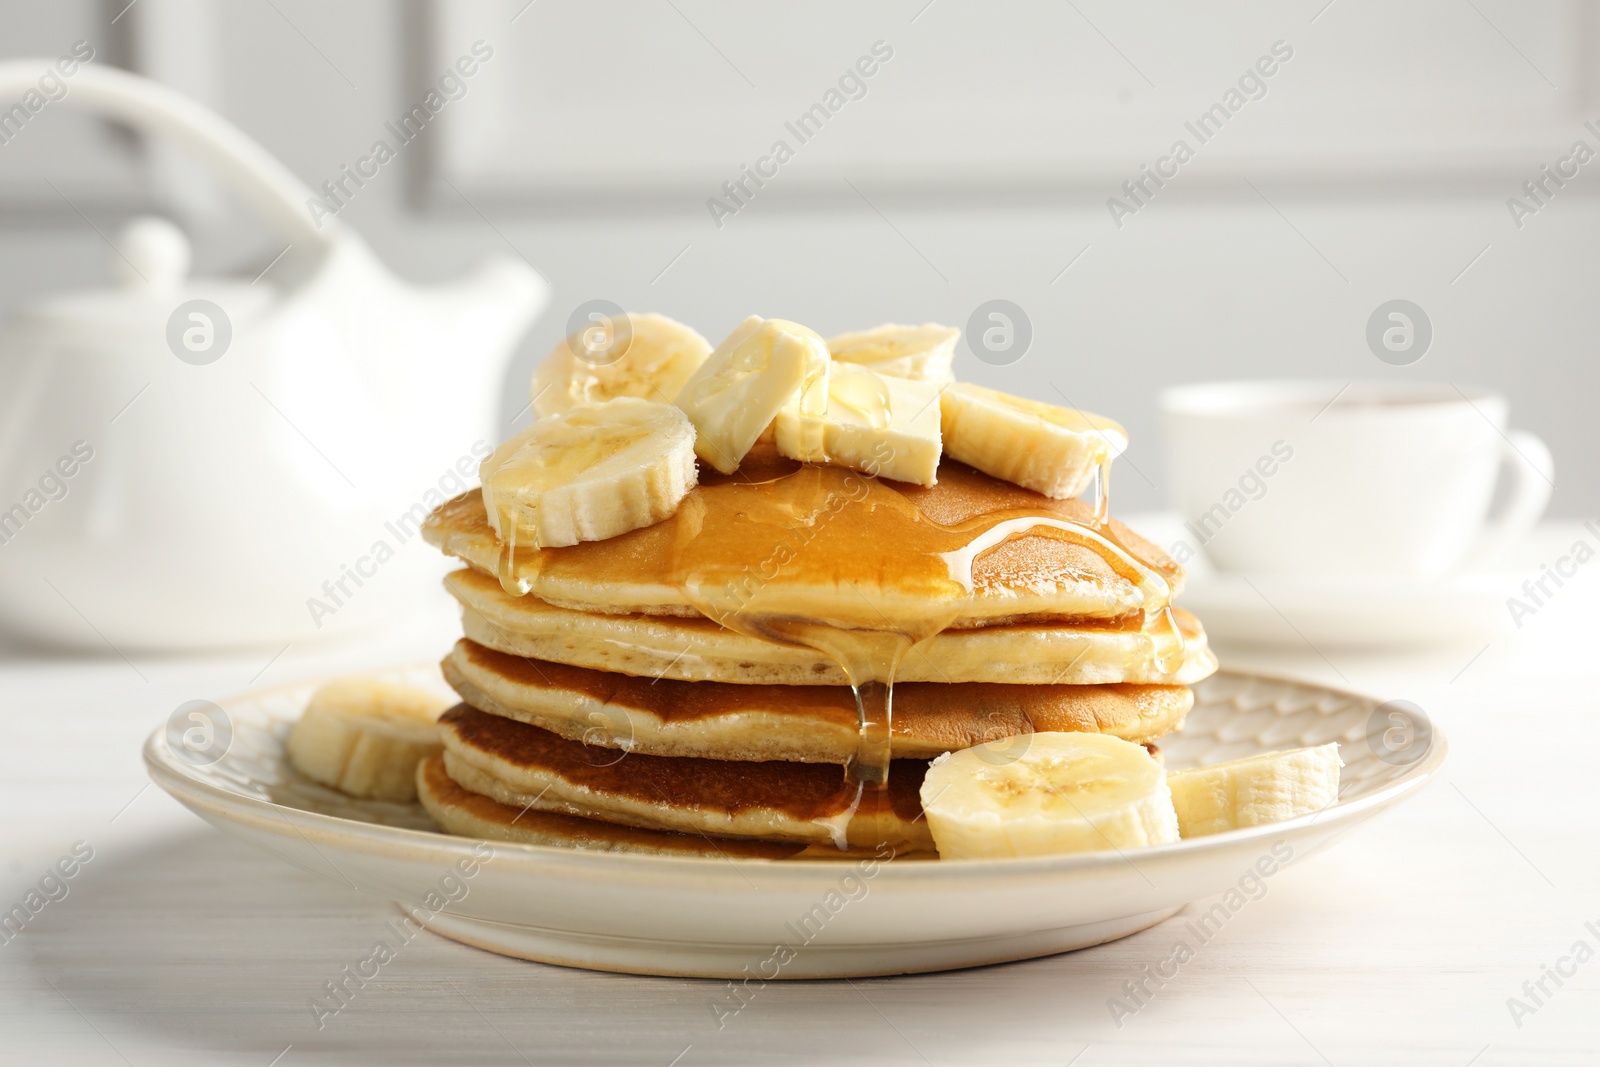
[[1532, 480]]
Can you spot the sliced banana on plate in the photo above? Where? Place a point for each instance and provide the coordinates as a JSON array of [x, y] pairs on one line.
[[737, 392], [589, 473], [1255, 790], [925, 353], [1049, 449], [365, 737], [649, 356], [1045, 794]]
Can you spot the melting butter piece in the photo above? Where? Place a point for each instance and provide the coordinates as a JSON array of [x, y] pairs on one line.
[[740, 388], [590, 473], [924, 352], [1049, 449], [873, 422]]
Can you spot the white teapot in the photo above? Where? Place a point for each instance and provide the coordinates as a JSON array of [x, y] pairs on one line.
[[190, 463]]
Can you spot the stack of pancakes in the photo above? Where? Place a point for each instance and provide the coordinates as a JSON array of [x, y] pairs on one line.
[[657, 691]]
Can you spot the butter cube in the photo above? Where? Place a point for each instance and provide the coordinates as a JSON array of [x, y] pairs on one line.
[[874, 423]]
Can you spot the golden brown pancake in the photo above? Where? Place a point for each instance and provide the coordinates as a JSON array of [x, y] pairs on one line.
[[468, 814], [830, 543], [806, 803], [697, 649], [804, 723]]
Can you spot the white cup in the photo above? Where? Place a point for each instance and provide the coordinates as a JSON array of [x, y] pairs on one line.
[[1357, 478]]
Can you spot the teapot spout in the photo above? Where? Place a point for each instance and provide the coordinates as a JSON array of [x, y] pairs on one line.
[[493, 304]]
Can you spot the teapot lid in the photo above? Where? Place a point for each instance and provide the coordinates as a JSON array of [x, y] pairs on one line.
[[150, 260]]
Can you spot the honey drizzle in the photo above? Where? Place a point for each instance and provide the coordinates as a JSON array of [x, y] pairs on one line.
[[1102, 491], [841, 528], [711, 567], [507, 565]]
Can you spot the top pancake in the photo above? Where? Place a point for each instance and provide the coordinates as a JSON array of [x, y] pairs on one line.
[[830, 544]]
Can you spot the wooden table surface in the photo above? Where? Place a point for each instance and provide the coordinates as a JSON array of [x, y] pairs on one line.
[[175, 944]]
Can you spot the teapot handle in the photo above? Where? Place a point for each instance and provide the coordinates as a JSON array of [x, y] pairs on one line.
[[262, 182]]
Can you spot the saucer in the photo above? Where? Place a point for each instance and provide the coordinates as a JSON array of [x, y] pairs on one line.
[[1328, 611], [1347, 613]]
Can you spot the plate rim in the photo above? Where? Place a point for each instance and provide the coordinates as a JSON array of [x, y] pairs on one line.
[[178, 780]]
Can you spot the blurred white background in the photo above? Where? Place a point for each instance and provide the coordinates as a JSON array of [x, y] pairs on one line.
[[1376, 164]]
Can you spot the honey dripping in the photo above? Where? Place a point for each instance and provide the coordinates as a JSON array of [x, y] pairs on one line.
[[511, 580], [1102, 492], [904, 576]]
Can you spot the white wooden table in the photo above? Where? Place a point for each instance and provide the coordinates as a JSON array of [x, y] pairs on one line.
[[174, 944]]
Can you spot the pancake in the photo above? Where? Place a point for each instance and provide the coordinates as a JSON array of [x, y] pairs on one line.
[[804, 803], [802, 723], [467, 814], [697, 649], [838, 546]]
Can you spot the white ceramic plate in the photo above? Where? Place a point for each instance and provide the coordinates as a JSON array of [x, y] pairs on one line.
[[760, 920]]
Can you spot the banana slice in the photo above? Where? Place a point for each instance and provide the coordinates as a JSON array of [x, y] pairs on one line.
[[874, 423], [365, 737], [1255, 790], [1057, 792], [1051, 450], [651, 360], [739, 389], [590, 473], [924, 353]]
